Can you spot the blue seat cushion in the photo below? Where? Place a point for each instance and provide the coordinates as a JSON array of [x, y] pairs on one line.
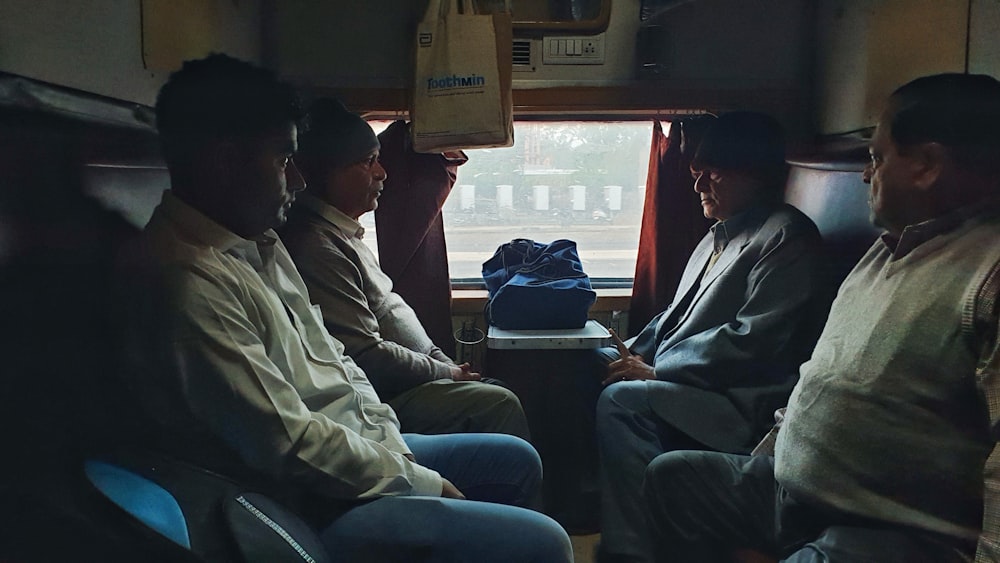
[[148, 502]]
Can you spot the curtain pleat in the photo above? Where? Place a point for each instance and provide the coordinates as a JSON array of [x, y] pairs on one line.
[[672, 222], [411, 244]]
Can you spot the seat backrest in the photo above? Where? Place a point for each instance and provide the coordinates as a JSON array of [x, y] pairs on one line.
[[145, 500], [833, 194], [211, 515]]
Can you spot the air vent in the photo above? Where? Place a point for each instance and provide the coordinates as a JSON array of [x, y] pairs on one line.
[[522, 54]]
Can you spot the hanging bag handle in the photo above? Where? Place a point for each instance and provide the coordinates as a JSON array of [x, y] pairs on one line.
[[434, 10]]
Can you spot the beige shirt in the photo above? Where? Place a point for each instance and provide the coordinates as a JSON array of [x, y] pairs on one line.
[[253, 365], [380, 331]]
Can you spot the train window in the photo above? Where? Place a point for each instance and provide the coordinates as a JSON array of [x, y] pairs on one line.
[[581, 180]]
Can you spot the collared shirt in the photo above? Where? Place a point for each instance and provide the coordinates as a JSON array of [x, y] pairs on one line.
[[915, 235], [718, 248], [720, 236], [253, 366], [724, 231], [351, 228], [380, 331]]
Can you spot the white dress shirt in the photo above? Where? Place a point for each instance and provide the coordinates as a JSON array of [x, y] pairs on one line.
[[252, 364]]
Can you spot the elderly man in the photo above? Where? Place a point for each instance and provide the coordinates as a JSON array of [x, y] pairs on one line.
[[238, 374], [888, 435], [381, 333], [747, 312]]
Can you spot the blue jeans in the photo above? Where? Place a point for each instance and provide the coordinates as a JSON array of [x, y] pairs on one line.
[[494, 471]]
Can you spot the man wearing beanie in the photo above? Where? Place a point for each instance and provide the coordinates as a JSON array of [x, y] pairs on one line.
[[707, 372], [428, 391]]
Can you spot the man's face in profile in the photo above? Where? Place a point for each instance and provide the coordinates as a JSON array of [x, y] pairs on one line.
[[889, 174], [268, 179], [724, 193], [355, 188]]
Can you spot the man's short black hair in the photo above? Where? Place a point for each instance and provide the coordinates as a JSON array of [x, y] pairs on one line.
[[959, 111], [220, 97]]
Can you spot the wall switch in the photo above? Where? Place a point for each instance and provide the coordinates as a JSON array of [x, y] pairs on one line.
[[573, 50]]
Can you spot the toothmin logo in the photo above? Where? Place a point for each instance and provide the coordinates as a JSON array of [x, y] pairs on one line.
[[456, 81]]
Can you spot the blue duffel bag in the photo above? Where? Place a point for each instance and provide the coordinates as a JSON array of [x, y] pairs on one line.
[[537, 286]]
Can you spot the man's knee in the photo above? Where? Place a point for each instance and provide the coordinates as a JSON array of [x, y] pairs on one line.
[[542, 538], [506, 454], [516, 449], [445, 407], [671, 473], [498, 398], [413, 528], [498, 410], [624, 397], [882, 544]]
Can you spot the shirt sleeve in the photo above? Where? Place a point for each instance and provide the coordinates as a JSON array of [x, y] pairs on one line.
[[988, 380], [228, 381], [784, 288], [336, 284]]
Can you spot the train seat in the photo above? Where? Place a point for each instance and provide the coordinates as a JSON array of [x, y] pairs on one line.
[[830, 190], [200, 511]]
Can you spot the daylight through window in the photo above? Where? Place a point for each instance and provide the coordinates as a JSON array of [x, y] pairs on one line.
[[584, 181]]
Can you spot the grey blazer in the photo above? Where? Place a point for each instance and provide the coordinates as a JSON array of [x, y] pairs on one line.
[[724, 363]]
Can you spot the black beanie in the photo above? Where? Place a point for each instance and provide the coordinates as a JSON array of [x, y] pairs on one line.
[[335, 136], [742, 140]]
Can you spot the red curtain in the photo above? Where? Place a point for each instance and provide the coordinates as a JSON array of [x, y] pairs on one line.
[[411, 243], [672, 223]]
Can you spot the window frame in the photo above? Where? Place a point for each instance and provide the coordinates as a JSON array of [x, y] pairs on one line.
[[597, 115]]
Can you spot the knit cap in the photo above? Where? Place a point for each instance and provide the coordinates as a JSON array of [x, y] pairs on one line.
[[335, 136]]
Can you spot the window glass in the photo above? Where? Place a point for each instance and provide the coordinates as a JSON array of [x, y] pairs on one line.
[[584, 181]]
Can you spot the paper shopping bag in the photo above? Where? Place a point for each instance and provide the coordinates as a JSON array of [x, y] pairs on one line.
[[461, 94]]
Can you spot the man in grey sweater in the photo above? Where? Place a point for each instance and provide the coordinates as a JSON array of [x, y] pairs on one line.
[[885, 449], [429, 392]]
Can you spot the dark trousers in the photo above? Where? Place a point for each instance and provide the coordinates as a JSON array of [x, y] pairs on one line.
[[702, 505]]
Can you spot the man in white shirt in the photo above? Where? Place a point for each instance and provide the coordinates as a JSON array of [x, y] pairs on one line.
[[237, 373], [429, 392]]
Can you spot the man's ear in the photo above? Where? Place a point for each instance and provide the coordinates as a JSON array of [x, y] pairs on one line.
[[218, 162], [929, 163], [221, 160]]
